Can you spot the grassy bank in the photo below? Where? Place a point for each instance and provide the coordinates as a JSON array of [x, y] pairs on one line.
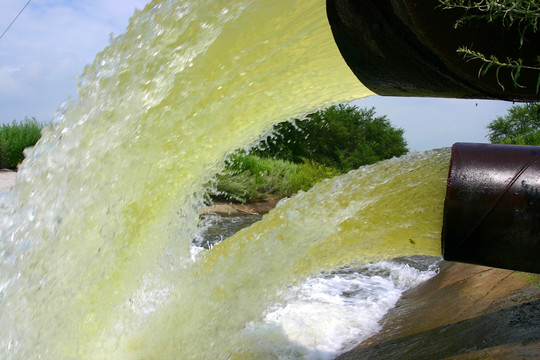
[[249, 178], [16, 137]]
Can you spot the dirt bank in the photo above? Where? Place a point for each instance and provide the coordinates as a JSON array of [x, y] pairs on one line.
[[228, 209], [465, 312]]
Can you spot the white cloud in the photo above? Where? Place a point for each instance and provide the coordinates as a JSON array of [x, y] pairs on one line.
[[48, 46]]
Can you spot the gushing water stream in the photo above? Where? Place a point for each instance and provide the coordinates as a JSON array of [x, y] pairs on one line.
[[96, 259]]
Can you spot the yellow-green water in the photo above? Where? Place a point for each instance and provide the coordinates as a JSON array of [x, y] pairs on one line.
[[95, 236]]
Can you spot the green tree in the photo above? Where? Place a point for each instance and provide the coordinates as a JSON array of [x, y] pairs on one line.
[[521, 125], [341, 136]]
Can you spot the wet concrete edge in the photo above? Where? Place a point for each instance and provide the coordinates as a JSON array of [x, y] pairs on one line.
[[465, 312]]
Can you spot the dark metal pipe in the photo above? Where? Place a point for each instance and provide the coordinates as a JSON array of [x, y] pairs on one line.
[[408, 48], [492, 206]]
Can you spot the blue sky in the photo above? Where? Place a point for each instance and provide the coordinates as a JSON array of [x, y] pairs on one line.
[[47, 47], [431, 123]]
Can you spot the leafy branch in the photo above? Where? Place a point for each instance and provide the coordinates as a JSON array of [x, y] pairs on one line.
[[523, 13], [515, 66]]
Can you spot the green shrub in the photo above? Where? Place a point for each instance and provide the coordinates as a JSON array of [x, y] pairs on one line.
[[308, 174], [507, 14], [249, 178], [237, 187], [342, 136], [521, 125], [15, 138]]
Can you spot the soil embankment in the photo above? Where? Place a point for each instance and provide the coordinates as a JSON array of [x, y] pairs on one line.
[[465, 312], [229, 209]]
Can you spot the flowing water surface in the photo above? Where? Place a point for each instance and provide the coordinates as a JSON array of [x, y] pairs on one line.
[[97, 256], [328, 313]]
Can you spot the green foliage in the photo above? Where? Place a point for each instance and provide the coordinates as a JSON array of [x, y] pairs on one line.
[[236, 187], [521, 13], [308, 174], [250, 178], [520, 126], [530, 278], [342, 137], [514, 66], [15, 138], [303, 152]]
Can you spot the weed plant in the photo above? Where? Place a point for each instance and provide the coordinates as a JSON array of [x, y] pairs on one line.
[[15, 138], [250, 178], [524, 14]]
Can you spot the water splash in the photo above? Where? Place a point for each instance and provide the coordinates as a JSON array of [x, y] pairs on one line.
[[391, 209], [334, 312], [95, 236]]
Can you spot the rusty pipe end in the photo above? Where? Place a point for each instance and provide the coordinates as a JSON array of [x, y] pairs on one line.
[[492, 206]]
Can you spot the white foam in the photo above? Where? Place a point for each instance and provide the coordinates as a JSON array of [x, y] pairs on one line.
[[328, 315]]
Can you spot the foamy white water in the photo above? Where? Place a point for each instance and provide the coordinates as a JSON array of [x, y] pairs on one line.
[[327, 314], [330, 314]]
